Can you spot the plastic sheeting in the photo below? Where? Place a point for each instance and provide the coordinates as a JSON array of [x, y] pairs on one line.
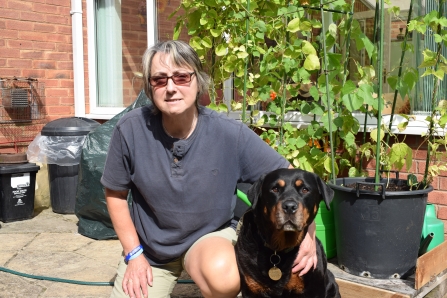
[[91, 209], [60, 150]]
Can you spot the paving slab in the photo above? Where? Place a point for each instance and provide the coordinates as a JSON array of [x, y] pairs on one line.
[[49, 246]]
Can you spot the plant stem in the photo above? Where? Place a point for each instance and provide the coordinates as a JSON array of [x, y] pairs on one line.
[[399, 75], [379, 96], [329, 109], [431, 127], [247, 27]]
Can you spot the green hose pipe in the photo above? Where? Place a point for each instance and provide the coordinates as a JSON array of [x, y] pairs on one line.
[[69, 281]]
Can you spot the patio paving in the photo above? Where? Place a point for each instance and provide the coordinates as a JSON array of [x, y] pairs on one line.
[[49, 245]]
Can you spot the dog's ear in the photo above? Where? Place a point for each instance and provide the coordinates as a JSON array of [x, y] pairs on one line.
[[326, 192], [254, 191]]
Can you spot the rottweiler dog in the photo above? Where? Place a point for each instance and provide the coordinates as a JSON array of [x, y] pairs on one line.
[[284, 203]]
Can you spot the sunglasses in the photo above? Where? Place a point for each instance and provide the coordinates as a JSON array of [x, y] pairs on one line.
[[178, 79]]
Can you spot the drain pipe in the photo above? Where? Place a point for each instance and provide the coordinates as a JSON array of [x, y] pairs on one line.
[[78, 57]]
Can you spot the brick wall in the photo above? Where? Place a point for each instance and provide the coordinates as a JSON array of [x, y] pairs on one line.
[[35, 41]]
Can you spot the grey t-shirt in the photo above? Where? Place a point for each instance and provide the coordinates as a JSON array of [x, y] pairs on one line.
[[183, 189]]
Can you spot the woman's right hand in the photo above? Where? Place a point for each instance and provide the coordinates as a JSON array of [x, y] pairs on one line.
[[138, 272], [138, 275]]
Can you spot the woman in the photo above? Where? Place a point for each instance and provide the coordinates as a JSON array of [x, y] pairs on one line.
[[181, 163]]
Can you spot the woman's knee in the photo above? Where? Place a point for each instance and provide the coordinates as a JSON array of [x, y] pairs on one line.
[[212, 265]]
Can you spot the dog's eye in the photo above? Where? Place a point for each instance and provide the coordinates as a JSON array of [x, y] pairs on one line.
[[304, 190], [275, 189]]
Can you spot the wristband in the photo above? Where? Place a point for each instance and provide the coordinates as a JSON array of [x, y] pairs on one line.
[[137, 250], [136, 254]]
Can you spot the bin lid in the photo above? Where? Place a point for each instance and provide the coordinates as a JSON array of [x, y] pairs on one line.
[[72, 126], [20, 168]]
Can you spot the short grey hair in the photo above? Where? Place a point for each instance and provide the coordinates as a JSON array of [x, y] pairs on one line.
[[181, 54]]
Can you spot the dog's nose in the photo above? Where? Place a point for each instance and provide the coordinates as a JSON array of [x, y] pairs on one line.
[[289, 207]]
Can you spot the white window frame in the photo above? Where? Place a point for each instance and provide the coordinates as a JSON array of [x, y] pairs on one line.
[[106, 113]]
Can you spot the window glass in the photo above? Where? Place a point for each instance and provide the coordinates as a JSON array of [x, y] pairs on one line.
[[121, 39]]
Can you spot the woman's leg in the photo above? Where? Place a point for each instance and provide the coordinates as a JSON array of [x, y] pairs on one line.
[[164, 281], [211, 263]]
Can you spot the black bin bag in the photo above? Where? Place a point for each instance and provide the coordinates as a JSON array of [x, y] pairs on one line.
[[91, 209]]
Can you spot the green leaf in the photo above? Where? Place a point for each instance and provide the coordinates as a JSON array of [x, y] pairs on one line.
[[308, 48], [348, 87], [306, 26], [352, 102], [211, 3], [242, 55], [221, 50], [373, 135], [215, 32], [294, 25], [207, 42], [196, 42], [312, 62], [401, 155]]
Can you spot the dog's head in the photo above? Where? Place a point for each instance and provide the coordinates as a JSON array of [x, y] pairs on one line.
[[285, 202]]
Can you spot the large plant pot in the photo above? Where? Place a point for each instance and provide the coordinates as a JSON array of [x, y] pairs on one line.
[[378, 233]]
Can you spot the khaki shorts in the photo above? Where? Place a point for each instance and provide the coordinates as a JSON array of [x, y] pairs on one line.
[[165, 277]]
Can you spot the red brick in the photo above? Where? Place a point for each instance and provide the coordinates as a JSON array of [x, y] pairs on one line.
[[45, 28], [31, 36], [58, 74], [52, 83], [19, 5], [10, 72], [32, 16], [39, 45], [10, 34], [56, 92], [57, 19], [52, 101], [57, 56], [59, 38], [2, 62], [3, 3], [34, 73], [64, 30], [69, 100], [10, 53], [20, 44], [65, 65], [65, 47], [64, 10], [44, 64], [56, 2], [31, 54], [438, 197], [2, 43], [2, 24], [60, 110], [47, 9], [19, 25], [20, 63], [442, 212], [9, 14], [66, 83]]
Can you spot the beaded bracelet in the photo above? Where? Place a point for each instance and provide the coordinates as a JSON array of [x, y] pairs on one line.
[[134, 253]]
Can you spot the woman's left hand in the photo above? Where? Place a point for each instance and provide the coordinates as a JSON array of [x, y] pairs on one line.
[[307, 255]]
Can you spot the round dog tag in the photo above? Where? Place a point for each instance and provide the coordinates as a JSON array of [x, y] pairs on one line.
[[275, 273]]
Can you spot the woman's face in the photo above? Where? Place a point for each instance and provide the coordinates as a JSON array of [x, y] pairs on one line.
[[172, 99]]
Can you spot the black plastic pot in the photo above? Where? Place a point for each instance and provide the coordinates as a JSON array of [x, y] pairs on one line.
[[378, 233]]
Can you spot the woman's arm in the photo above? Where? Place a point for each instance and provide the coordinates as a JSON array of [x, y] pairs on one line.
[[307, 255], [138, 273]]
